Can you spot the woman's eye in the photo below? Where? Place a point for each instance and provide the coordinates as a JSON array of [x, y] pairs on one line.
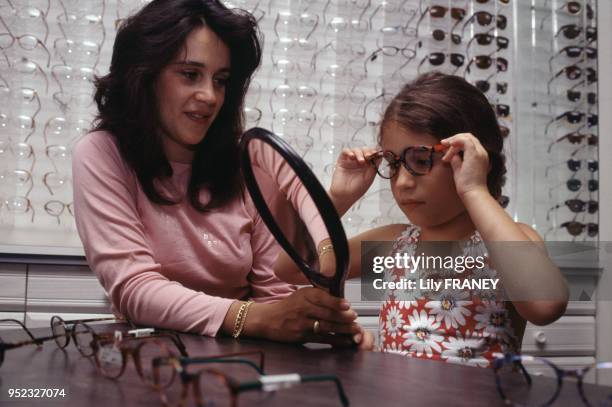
[[222, 81], [191, 75]]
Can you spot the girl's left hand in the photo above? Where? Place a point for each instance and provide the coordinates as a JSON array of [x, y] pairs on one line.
[[470, 173], [364, 339]]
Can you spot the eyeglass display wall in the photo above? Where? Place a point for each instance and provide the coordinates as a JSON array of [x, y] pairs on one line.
[[329, 69]]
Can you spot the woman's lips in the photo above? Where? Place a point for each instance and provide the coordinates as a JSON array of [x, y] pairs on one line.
[[197, 117]]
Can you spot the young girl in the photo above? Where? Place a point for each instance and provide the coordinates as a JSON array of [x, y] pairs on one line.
[[441, 148]]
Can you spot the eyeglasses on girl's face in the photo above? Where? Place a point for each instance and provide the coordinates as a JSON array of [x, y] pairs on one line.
[[417, 160]]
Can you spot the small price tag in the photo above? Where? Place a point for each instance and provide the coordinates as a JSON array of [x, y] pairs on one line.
[[279, 381], [110, 355], [139, 333]]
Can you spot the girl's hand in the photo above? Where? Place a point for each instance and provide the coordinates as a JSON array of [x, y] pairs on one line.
[[365, 340], [292, 319], [352, 177], [470, 173]]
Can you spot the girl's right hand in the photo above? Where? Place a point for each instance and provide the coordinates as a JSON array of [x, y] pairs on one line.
[[292, 319], [353, 176]]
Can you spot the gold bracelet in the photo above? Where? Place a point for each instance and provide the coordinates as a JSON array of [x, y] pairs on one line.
[[241, 318], [327, 248]]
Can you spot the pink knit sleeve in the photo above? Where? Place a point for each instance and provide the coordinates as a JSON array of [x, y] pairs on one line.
[[283, 178], [114, 239]]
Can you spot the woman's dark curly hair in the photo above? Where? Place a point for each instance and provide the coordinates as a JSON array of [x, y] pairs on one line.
[[128, 108], [443, 105]]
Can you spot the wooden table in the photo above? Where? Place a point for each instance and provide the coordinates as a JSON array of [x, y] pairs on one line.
[[369, 378]]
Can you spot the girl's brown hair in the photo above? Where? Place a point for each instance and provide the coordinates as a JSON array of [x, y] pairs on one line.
[[443, 105]]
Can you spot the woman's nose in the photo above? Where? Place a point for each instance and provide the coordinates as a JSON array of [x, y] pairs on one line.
[[206, 93]]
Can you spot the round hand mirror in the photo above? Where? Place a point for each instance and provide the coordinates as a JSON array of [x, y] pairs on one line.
[[294, 206]]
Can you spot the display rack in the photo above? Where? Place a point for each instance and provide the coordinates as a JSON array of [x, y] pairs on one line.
[[329, 69]]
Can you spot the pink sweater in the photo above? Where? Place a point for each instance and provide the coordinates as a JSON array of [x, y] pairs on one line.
[[169, 266]]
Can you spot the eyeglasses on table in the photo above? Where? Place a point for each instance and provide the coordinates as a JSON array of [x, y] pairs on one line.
[[110, 352], [517, 387], [220, 387], [38, 341]]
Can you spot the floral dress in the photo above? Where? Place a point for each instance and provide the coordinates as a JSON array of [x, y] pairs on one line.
[[456, 326]]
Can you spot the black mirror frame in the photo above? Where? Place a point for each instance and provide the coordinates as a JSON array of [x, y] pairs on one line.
[[324, 205]]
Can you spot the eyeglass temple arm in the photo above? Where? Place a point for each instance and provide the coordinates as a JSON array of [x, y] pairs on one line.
[[175, 338], [466, 24], [257, 385], [420, 20], [318, 378], [247, 362], [552, 121], [23, 327]]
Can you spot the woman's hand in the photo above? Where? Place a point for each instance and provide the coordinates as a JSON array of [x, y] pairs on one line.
[[352, 177], [292, 319], [470, 173]]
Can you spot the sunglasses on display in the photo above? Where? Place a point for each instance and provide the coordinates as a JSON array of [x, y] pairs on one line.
[[574, 117], [576, 206], [439, 58], [575, 8], [576, 138], [575, 165], [437, 11], [504, 201], [417, 160], [502, 110], [574, 72], [485, 39], [484, 86], [572, 31], [576, 228], [571, 8], [486, 61], [574, 95], [484, 18], [574, 185], [440, 35]]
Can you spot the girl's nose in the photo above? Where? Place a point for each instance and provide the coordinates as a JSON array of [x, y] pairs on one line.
[[404, 179]]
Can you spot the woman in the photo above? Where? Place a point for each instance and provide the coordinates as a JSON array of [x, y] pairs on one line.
[[160, 206]]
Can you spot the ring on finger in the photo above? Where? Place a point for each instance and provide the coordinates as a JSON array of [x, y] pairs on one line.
[[316, 327]]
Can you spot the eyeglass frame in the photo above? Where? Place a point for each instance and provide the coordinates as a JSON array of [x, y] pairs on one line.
[[501, 360], [65, 206], [119, 338], [18, 39], [38, 341], [29, 206], [69, 331], [234, 386], [401, 159]]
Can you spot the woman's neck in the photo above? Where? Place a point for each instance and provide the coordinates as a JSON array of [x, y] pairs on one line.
[[460, 227]]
